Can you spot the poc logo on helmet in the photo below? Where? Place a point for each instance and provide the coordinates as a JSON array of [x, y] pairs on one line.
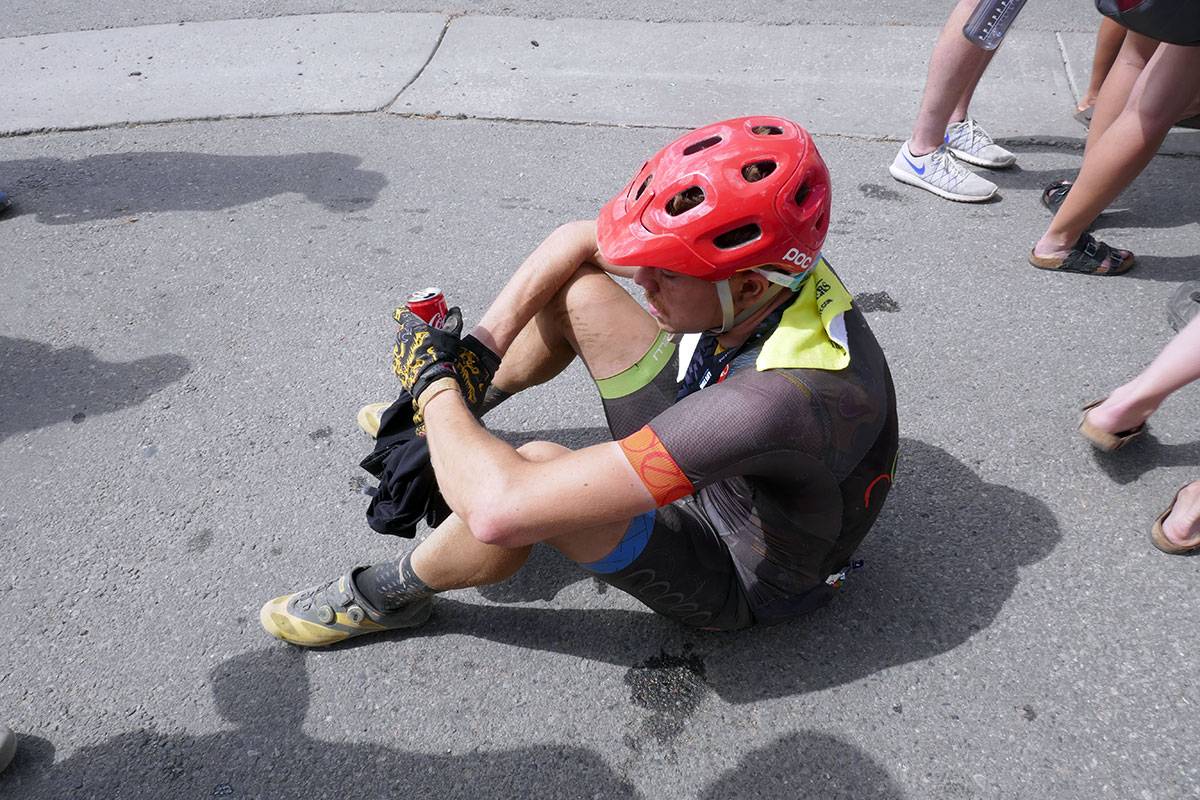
[[802, 260]]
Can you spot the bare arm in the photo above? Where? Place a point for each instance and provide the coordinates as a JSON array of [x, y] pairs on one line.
[[504, 497], [537, 280], [511, 501]]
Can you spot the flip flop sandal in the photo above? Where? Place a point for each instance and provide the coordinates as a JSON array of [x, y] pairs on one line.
[[1158, 537], [1102, 439], [1184, 305], [1084, 116], [1088, 257], [1054, 195]]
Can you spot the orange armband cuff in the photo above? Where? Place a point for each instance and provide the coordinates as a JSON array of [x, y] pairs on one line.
[[661, 476]]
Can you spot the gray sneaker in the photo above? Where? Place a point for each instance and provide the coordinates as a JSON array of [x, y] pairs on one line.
[[8, 746], [939, 173], [970, 142]]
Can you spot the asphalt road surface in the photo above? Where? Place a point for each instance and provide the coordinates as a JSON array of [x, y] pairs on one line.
[[198, 274]]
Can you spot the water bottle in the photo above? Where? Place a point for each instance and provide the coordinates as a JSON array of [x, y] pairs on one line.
[[990, 22]]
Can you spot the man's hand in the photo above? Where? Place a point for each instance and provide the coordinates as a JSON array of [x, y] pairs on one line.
[[476, 366], [422, 353]]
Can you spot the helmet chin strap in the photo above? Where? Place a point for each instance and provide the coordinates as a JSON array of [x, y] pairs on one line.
[[728, 319]]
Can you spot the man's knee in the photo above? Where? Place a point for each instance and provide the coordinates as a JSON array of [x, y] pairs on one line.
[[582, 291]]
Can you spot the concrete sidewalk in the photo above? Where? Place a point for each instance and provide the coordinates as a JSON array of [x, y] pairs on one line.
[[846, 80]]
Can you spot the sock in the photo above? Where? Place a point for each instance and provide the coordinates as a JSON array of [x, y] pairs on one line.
[[391, 586], [493, 397]]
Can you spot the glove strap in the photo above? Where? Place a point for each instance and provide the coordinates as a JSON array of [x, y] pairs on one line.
[[433, 390]]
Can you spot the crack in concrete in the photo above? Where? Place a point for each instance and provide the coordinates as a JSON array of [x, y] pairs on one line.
[[432, 53]]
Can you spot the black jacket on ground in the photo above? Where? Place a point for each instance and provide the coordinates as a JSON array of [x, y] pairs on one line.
[[408, 490]]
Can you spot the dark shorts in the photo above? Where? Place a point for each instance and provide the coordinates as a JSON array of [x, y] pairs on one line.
[[684, 569]]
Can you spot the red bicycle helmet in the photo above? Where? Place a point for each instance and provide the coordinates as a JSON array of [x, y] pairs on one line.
[[734, 195]]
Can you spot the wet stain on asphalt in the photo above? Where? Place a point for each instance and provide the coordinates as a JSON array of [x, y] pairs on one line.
[[875, 301], [321, 433], [877, 192], [200, 542], [672, 687], [1028, 712], [78, 418]]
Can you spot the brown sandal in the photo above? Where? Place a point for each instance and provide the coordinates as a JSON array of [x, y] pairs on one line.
[[1102, 439], [1158, 537]]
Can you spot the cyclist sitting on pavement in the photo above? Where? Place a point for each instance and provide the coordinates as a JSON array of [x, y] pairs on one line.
[[732, 497]]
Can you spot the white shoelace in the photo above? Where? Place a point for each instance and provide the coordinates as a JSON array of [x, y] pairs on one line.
[[944, 164], [976, 137]]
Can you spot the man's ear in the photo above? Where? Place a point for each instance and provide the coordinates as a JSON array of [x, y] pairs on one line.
[[748, 287]]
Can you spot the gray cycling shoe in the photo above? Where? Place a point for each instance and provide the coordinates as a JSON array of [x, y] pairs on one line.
[[333, 612], [8, 746]]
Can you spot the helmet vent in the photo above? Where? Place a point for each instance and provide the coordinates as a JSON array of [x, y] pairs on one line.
[[703, 144], [802, 193], [645, 185], [738, 236], [686, 200], [758, 170], [767, 130]]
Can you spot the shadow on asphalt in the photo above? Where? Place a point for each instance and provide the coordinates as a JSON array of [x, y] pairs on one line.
[[1160, 197], [264, 695], [940, 563], [1143, 455], [41, 385], [122, 185]]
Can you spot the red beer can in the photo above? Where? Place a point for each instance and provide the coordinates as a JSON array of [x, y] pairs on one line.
[[428, 304]]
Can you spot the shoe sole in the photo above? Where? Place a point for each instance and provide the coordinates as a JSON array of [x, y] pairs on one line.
[[963, 155], [913, 180]]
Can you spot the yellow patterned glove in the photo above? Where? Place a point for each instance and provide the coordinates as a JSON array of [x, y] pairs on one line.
[[476, 365], [422, 353]]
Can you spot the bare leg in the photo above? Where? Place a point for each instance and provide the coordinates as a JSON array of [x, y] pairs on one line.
[[962, 109], [579, 320], [1132, 404], [1136, 51], [1123, 150], [452, 558], [954, 70], [1108, 43]]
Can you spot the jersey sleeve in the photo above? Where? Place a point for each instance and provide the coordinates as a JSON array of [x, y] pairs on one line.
[[752, 424]]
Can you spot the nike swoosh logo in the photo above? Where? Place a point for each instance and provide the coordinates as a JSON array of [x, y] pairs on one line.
[[915, 168]]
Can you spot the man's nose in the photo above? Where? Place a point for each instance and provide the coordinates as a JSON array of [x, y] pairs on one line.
[[644, 277]]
